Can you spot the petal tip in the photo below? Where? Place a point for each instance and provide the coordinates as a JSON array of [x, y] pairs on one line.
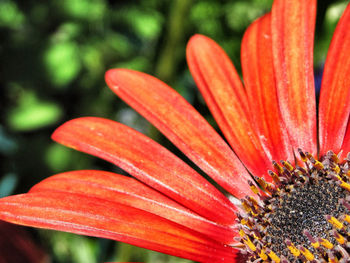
[[197, 39], [111, 75]]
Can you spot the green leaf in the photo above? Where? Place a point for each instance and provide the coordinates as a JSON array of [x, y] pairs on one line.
[[90, 10], [62, 62], [10, 15], [32, 113]]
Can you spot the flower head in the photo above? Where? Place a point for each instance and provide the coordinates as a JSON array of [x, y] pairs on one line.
[[291, 210]]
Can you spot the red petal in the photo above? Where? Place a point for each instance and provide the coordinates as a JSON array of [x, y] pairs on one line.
[[334, 105], [292, 28], [147, 161], [346, 142], [259, 77], [130, 192], [183, 125], [96, 217], [223, 91]]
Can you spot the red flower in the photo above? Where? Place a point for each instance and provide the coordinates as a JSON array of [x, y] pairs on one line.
[[170, 207]]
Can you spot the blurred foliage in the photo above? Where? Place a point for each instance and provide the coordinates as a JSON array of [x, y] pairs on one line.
[[54, 55]]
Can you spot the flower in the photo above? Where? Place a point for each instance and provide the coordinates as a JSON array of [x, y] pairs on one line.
[[291, 210]]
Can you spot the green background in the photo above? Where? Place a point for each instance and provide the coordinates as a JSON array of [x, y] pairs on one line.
[[53, 58]]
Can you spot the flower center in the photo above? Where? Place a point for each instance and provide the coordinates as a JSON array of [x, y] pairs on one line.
[[303, 217]]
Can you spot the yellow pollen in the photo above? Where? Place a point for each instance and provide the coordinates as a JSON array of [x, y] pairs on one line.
[[340, 239], [318, 165], [263, 184], [307, 254], [246, 222], [326, 243], [273, 256], [249, 243], [246, 206], [333, 157], [241, 233], [335, 222], [254, 189], [336, 169], [262, 255], [254, 202], [309, 156], [287, 165], [294, 250], [278, 167], [344, 185], [315, 244], [275, 177], [302, 155]]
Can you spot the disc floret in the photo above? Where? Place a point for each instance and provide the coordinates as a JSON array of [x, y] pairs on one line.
[[303, 216]]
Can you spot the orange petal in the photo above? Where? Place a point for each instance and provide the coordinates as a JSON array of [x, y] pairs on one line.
[[292, 28], [223, 91], [183, 125], [334, 105], [128, 191], [259, 77], [91, 216], [147, 161]]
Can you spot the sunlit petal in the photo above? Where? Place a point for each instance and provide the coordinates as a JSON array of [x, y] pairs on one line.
[[128, 191], [292, 29], [183, 125], [334, 105], [91, 216], [223, 91], [147, 161], [259, 77]]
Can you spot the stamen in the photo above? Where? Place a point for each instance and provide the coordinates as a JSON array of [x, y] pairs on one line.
[[313, 241], [345, 185], [287, 165], [340, 239], [274, 177], [249, 243], [273, 255], [278, 167], [302, 155], [253, 187], [295, 251], [326, 243], [335, 222], [308, 255], [262, 255]]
